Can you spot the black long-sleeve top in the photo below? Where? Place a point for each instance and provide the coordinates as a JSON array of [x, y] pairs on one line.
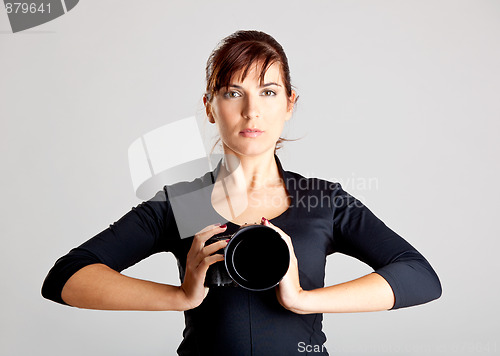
[[321, 219]]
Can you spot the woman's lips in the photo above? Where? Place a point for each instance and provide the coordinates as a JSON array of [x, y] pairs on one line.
[[251, 133]]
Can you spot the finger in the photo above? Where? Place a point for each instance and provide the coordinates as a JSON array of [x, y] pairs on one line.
[[208, 261], [285, 236], [210, 249], [201, 237], [271, 225], [209, 227], [210, 231]]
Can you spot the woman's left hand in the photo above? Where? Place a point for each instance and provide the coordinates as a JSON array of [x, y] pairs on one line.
[[288, 291]]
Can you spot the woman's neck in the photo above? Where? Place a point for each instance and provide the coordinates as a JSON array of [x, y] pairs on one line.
[[243, 182], [251, 172]]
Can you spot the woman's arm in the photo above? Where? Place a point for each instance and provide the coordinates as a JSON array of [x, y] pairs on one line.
[[402, 277], [138, 234], [368, 293], [365, 294], [89, 275], [97, 286]]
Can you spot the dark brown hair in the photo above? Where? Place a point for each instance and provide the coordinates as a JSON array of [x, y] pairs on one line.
[[239, 51]]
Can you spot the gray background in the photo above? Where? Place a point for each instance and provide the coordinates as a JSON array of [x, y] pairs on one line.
[[402, 94]]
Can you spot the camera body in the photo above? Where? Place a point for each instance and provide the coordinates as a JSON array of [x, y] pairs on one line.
[[255, 258]]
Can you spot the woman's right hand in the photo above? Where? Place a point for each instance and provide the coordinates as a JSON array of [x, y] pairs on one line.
[[199, 258]]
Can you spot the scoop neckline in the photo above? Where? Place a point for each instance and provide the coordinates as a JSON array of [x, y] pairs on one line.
[[282, 173]]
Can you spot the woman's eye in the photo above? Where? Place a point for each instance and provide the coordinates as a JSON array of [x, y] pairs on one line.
[[268, 93], [232, 94]]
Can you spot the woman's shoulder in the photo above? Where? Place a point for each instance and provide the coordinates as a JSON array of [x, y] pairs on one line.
[[190, 204], [297, 181], [311, 184], [187, 187]]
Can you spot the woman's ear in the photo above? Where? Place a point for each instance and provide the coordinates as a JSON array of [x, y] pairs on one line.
[[208, 109], [291, 101]]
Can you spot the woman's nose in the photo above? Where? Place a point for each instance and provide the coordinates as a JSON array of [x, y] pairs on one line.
[[251, 108]]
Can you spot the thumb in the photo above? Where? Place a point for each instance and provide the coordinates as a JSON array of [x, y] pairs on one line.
[[285, 236], [266, 222]]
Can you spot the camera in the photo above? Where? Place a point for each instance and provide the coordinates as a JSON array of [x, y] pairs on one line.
[[255, 258]]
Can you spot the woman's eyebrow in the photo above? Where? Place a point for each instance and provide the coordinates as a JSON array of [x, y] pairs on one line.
[[262, 86], [269, 84]]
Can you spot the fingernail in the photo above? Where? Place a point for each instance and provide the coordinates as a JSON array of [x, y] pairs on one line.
[[227, 240], [223, 226], [263, 220]]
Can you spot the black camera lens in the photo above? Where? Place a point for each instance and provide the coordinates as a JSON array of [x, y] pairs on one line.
[[257, 257]]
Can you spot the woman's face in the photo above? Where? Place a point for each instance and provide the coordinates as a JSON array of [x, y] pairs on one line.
[[249, 115]]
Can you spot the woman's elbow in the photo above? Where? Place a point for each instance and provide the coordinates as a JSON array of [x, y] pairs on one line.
[[51, 289], [435, 289]]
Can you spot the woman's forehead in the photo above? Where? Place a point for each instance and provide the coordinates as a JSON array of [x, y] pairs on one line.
[[255, 71]]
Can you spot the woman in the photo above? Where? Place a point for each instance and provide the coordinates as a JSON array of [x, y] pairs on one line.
[[249, 97]]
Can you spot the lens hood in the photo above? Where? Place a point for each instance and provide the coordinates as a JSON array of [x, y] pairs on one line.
[[256, 258]]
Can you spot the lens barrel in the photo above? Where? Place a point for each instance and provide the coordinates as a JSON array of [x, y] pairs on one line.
[[256, 258]]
